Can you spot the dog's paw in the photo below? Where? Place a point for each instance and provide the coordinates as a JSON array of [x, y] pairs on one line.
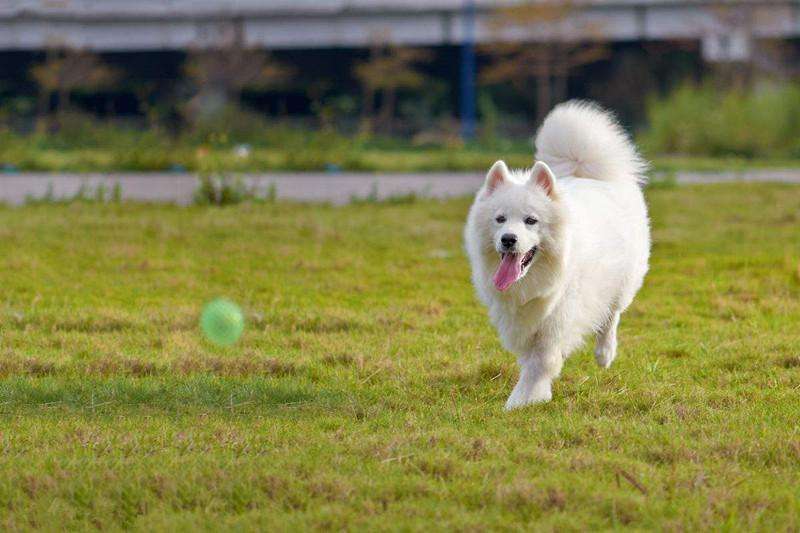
[[521, 397], [605, 356]]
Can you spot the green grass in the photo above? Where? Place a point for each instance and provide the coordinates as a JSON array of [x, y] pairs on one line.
[[424, 159], [112, 149], [349, 158], [367, 390], [677, 163], [261, 159]]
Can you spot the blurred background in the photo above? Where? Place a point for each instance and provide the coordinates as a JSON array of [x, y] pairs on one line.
[[386, 85]]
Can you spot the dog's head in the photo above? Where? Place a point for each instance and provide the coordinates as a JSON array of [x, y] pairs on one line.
[[515, 215]]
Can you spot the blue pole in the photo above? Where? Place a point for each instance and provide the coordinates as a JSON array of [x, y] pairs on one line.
[[468, 71]]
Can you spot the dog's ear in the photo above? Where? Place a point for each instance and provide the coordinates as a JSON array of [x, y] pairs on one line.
[[542, 176], [497, 176]]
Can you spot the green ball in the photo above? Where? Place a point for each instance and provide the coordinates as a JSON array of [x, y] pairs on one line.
[[222, 322]]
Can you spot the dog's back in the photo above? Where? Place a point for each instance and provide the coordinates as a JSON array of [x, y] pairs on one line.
[[602, 174]]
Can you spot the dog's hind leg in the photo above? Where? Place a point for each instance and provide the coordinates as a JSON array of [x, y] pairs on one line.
[[606, 349], [536, 375]]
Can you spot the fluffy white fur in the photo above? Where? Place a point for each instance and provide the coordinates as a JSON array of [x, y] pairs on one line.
[[589, 234]]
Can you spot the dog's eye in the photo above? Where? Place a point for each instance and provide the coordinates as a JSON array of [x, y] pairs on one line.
[[530, 221], [500, 219]]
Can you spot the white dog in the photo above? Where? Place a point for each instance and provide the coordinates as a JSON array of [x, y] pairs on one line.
[[553, 259]]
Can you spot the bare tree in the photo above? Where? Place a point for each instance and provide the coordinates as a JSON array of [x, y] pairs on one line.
[[220, 75], [388, 70], [548, 61], [64, 71]]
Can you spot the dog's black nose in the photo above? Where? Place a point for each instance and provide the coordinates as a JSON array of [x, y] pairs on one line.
[[508, 240]]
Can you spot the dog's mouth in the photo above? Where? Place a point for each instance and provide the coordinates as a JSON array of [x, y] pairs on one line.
[[512, 267]]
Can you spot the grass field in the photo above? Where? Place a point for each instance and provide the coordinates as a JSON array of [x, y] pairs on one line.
[[110, 150], [367, 391]]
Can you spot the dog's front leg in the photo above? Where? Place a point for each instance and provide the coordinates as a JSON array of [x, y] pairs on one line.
[[536, 376]]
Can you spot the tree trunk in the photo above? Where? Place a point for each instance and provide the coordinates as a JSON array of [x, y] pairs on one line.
[[365, 122], [61, 107], [387, 109], [544, 97], [560, 79], [42, 110]]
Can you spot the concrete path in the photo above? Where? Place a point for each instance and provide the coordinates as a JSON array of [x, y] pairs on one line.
[[336, 188]]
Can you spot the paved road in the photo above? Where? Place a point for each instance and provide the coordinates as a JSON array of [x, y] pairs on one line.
[[337, 188]]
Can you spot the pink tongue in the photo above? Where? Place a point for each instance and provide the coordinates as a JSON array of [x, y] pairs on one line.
[[508, 272]]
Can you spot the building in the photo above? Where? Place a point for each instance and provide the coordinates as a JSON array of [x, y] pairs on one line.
[[723, 31]]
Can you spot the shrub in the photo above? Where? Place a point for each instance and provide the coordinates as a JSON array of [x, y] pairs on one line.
[[702, 120], [232, 124], [221, 190]]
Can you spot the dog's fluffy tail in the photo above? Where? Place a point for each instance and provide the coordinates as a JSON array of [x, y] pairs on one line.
[[581, 139]]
